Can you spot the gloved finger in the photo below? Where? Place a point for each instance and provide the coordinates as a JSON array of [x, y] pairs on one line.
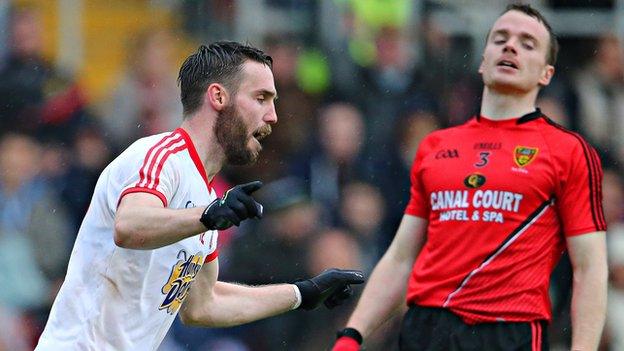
[[239, 209], [350, 276], [231, 216], [249, 203], [249, 188], [339, 297]]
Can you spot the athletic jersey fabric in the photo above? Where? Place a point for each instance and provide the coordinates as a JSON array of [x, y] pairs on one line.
[[500, 196], [121, 299]]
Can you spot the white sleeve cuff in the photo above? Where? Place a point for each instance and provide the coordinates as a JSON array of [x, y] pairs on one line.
[[297, 297]]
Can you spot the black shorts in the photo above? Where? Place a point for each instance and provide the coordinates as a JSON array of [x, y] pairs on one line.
[[438, 329]]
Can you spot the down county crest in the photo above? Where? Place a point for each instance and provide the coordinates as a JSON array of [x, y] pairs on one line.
[[524, 155]]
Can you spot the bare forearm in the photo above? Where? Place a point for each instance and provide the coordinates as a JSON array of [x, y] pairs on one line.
[[150, 227], [589, 307], [233, 304], [382, 296]]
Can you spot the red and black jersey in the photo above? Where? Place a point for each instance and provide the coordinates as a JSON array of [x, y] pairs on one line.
[[500, 197]]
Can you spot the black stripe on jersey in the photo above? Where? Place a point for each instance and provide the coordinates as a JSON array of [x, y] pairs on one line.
[[595, 176], [522, 225], [514, 234], [599, 187], [592, 180], [596, 173]]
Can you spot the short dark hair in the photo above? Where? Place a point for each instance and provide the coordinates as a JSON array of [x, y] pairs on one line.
[[219, 62], [528, 10]]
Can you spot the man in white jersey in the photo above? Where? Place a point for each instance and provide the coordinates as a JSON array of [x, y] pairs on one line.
[[148, 234]]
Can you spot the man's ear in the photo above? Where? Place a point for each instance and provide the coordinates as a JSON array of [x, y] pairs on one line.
[[481, 68], [217, 96], [547, 75]]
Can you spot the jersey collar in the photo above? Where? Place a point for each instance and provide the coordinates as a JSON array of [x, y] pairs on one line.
[[194, 156], [531, 116], [520, 120]]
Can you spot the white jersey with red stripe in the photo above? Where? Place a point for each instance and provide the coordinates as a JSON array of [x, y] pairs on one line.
[[121, 299]]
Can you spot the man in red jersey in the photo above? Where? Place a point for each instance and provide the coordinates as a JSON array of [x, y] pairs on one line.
[[494, 203]]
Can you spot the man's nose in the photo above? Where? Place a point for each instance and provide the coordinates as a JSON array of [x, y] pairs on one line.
[[510, 47], [271, 116]]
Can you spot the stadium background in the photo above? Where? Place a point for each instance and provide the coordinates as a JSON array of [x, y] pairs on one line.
[[360, 83]]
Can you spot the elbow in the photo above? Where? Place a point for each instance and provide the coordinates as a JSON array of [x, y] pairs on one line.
[[596, 272], [193, 317], [190, 319], [119, 234], [124, 235]]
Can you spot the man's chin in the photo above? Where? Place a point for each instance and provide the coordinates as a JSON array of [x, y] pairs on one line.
[[508, 86], [248, 158]]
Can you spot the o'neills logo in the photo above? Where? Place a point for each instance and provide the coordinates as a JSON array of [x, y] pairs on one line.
[[182, 275], [474, 180], [524, 155]]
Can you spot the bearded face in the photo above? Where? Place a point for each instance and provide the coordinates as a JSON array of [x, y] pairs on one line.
[[238, 144]]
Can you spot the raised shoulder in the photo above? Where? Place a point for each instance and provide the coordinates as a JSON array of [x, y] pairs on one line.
[[561, 138]]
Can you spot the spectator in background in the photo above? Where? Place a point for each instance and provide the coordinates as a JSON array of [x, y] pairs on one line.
[[32, 223], [23, 76], [392, 173], [34, 231], [76, 180], [599, 97], [387, 85], [334, 247], [443, 73], [362, 212], [295, 105], [337, 159], [146, 101], [14, 337], [36, 98]]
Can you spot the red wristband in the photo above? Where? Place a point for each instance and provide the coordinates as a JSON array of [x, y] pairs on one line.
[[345, 343]]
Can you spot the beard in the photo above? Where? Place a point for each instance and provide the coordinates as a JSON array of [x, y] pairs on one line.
[[233, 137]]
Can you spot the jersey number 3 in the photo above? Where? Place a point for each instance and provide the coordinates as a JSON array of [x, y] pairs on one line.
[[483, 159]]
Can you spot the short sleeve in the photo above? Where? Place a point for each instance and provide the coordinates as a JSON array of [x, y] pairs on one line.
[[579, 200], [418, 204], [156, 173], [210, 238]]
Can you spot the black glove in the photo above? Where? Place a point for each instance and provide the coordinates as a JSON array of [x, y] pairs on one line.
[[235, 206], [332, 287]]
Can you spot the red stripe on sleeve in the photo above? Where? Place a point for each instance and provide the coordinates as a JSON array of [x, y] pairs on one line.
[[147, 157], [137, 189], [212, 256], [162, 162], [154, 162]]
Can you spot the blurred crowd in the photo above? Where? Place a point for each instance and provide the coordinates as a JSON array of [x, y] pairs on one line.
[[336, 168]]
